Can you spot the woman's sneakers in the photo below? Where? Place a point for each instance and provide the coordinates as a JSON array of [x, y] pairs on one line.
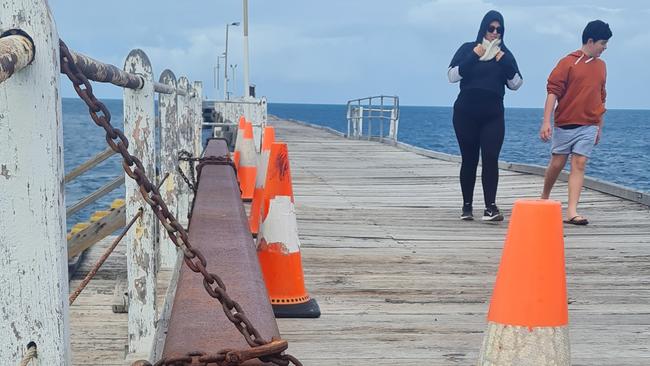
[[467, 212], [492, 213]]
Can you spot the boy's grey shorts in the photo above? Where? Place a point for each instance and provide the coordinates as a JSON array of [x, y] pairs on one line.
[[580, 140]]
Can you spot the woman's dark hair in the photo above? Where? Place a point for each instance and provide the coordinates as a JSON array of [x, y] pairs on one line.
[[596, 30]]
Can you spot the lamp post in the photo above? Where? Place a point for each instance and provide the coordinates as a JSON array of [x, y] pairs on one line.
[[245, 70], [216, 76], [232, 72], [225, 67]]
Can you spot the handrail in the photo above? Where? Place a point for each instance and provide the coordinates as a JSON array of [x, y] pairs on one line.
[[89, 164], [106, 73], [16, 52], [363, 109], [101, 192]]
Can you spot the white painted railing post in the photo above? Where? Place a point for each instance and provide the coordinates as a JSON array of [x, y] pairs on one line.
[[198, 117], [184, 143], [141, 256], [168, 110], [33, 252], [394, 125]]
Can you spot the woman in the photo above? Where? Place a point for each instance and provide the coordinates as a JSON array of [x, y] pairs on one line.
[[483, 68]]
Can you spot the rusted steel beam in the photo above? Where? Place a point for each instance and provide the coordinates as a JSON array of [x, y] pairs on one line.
[[106, 73], [219, 228], [163, 88], [16, 52]]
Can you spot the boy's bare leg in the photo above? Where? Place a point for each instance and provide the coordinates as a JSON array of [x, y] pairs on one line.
[[553, 170], [576, 179]]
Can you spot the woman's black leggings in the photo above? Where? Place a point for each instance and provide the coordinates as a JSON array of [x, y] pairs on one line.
[[481, 127]]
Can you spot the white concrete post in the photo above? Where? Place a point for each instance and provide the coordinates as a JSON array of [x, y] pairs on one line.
[[33, 252], [198, 117], [167, 107], [141, 255], [184, 143], [394, 124]]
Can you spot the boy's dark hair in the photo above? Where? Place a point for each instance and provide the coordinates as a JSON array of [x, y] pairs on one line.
[[596, 30]]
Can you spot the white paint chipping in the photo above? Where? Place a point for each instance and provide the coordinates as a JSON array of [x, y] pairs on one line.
[[33, 253], [280, 225], [197, 109], [168, 110], [184, 143], [141, 254]]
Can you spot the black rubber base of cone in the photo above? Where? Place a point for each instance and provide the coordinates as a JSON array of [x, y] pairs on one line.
[[307, 309]]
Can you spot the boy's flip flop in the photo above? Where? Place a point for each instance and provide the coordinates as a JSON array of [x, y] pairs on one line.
[[577, 220]]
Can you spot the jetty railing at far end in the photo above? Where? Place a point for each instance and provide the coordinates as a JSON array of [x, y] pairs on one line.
[[373, 118], [34, 287]]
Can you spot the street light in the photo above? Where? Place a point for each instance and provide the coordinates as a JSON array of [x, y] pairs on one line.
[[216, 76], [225, 68], [232, 72]]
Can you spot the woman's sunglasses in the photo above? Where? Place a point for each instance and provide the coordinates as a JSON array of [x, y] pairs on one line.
[[492, 28]]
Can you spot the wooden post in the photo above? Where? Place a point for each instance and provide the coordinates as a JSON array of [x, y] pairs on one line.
[[184, 143], [169, 137], [141, 255], [198, 117], [33, 253]]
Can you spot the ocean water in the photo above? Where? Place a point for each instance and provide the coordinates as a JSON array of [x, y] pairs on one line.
[[622, 157]]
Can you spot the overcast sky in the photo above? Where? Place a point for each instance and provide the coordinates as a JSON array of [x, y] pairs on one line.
[[307, 51]]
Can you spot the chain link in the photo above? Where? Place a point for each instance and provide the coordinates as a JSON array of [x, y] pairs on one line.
[[185, 155], [194, 259]]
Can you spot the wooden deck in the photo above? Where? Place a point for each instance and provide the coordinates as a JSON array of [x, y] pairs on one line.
[[401, 281]]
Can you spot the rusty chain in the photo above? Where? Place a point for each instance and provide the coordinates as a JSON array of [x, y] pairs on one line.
[[192, 182], [185, 155], [193, 257]]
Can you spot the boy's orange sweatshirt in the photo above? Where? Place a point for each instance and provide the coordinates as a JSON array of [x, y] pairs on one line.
[[578, 81]]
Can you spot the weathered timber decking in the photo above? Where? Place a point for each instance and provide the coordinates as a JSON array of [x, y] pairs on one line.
[[400, 280]]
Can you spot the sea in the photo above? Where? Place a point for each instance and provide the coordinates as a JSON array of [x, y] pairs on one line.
[[622, 157]]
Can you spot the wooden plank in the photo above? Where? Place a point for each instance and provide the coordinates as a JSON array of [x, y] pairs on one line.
[[402, 281], [97, 231]]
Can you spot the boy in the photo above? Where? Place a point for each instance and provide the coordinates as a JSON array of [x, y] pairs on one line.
[[577, 84]]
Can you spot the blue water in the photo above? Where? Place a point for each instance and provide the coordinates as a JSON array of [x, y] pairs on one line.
[[623, 156]]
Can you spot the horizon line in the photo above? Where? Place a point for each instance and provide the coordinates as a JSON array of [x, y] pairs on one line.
[[407, 105]]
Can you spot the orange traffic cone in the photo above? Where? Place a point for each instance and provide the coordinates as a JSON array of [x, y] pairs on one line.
[[238, 141], [528, 317], [247, 164], [278, 245], [262, 165]]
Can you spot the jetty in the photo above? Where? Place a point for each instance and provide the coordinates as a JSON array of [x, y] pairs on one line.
[[398, 278]]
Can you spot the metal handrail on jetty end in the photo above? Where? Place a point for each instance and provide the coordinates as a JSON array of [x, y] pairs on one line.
[[33, 211], [373, 110]]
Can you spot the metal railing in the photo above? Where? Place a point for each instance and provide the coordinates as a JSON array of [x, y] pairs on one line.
[[29, 84], [33, 211], [371, 117]]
